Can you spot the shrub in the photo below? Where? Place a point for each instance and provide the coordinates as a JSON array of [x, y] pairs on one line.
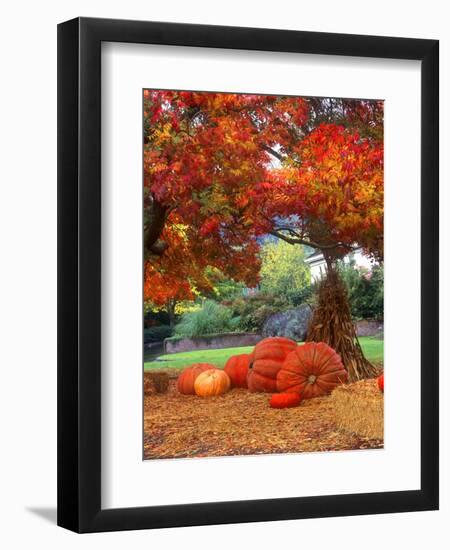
[[301, 296], [211, 318], [252, 311], [365, 291], [157, 333], [153, 318]]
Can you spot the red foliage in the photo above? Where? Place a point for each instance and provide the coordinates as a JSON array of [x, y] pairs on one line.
[[203, 152], [334, 197], [227, 168]]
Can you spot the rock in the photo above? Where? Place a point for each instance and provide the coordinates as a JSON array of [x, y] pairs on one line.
[[292, 323]]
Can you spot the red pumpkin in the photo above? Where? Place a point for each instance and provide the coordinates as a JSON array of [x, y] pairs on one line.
[[266, 360], [237, 369], [212, 382], [284, 400], [380, 381], [186, 380], [312, 370]]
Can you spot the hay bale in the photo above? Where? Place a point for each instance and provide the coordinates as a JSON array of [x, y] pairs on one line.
[[155, 382], [359, 409]]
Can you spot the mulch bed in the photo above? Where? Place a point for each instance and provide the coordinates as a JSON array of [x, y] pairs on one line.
[[240, 423]]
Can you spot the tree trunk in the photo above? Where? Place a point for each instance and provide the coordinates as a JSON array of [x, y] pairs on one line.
[[171, 311], [332, 323], [156, 218]]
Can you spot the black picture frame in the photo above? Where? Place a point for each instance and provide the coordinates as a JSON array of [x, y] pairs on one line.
[[79, 274]]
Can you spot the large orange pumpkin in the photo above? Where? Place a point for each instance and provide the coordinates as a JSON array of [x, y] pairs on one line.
[[185, 382], [312, 370], [237, 369], [212, 382], [266, 360], [380, 381], [285, 400]]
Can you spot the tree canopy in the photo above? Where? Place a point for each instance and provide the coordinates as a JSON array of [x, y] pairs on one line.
[[222, 170]]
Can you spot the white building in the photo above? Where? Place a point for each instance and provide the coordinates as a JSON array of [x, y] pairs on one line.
[[318, 266]]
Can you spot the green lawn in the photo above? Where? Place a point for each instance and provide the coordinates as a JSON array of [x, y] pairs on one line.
[[372, 347]]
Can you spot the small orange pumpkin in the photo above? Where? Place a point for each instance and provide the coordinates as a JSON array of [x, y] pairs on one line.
[[380, 381], [266, 360], [237, 369], [312, 370], [185, 382], [212, 382], [285, 400]]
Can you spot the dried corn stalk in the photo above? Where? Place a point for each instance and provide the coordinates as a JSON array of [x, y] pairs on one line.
[[332, 323]]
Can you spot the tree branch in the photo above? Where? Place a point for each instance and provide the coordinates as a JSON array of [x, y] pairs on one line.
[[273, 152], [306, 242], [290, 230]]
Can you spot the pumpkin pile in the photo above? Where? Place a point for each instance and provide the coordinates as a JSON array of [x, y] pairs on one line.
[[186, 380], [204, 380], [278, 366], [266, 360]]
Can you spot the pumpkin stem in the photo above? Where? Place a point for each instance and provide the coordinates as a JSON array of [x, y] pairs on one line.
[[312, 378]]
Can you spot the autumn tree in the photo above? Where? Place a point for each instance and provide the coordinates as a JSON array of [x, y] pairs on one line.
[[202, 154], [329, 195], [221, 170], [183, 271]]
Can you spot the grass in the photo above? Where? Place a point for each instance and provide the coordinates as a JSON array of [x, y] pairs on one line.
[[217, 357], [372, 348]]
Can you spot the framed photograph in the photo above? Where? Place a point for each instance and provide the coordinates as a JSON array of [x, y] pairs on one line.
[[248, 248]]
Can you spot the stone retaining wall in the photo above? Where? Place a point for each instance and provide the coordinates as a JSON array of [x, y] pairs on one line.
[[213, 341], [238, 339], [369, 328]]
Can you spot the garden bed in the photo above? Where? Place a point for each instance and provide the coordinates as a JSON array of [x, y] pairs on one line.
[[240, 423]]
